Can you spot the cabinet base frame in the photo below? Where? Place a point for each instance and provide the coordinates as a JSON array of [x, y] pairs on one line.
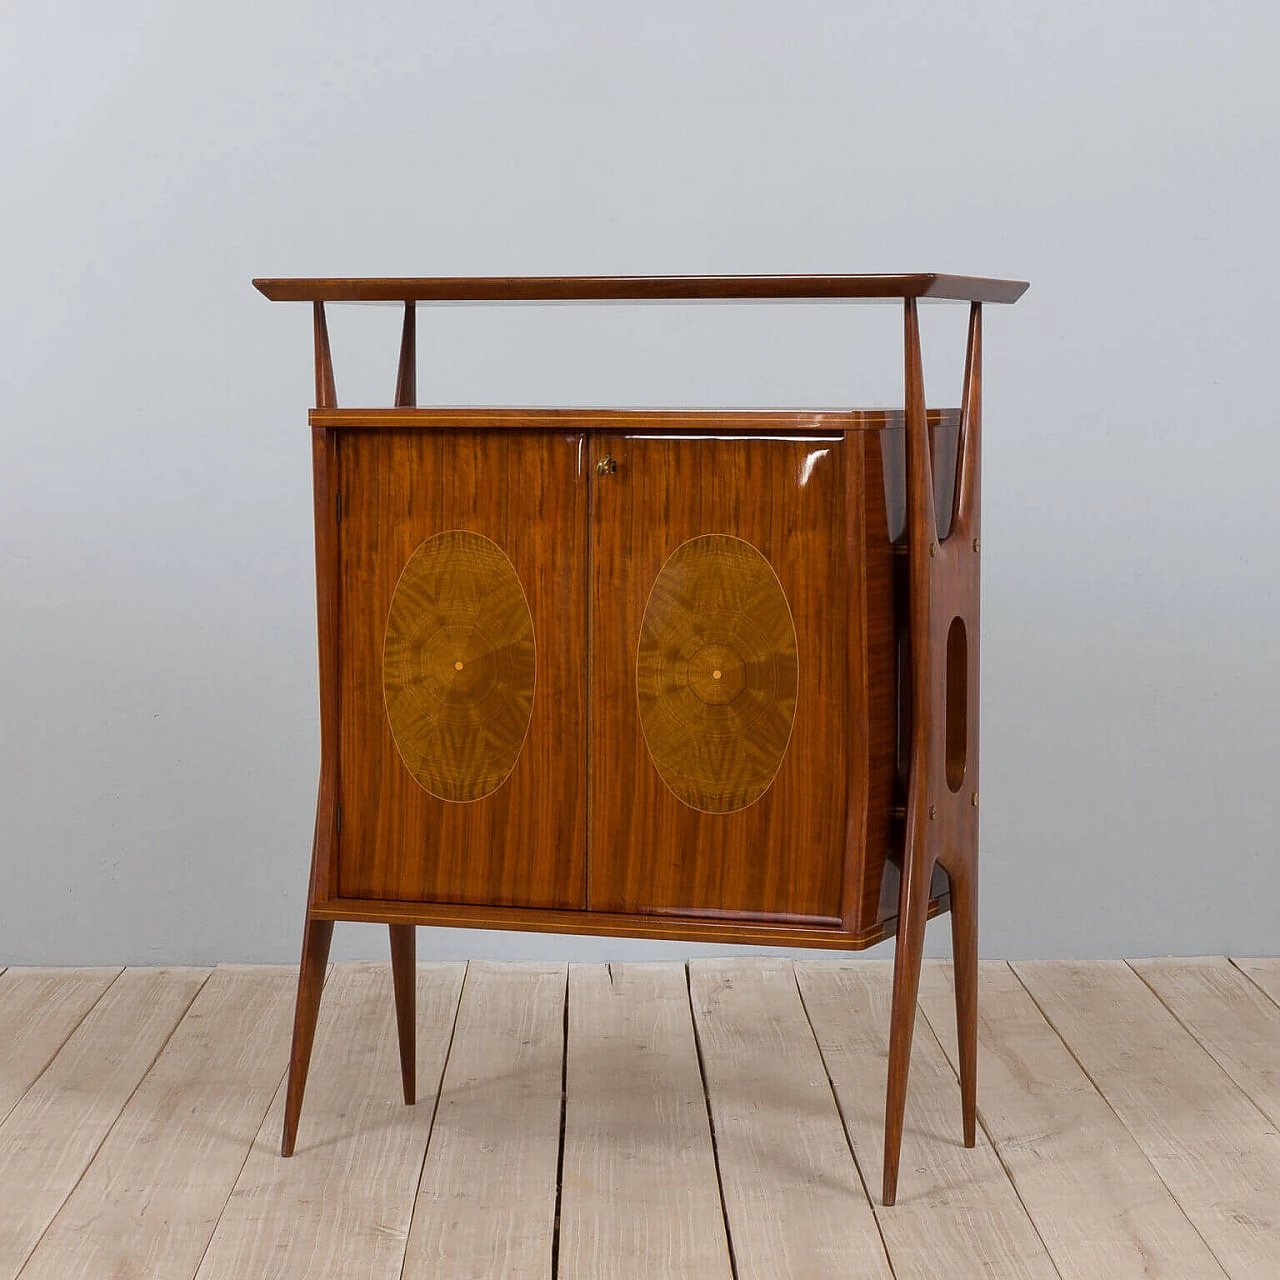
[[403, 918]]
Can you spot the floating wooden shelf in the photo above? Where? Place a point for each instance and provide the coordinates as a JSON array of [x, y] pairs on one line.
[[645, 289]]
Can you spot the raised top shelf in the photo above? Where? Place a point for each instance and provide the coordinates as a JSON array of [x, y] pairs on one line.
[[641, 288]]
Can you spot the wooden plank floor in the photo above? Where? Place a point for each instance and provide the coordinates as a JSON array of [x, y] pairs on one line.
[[715, 1121]]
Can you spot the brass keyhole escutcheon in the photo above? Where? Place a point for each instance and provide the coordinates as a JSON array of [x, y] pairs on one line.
[[607, 466]]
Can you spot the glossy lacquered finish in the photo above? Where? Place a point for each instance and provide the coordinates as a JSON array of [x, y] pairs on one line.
[[756, 422], [783, 855], [459, 666], [942, 782], [523, 843], [700, 674], [518, 842], [640, 288]]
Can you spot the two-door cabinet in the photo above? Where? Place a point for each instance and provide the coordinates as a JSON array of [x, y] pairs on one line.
[[678, 674]]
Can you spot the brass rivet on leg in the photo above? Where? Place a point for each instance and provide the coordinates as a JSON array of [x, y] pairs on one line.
[[973, 799], [933, 811], [975, 544], [933, 548]]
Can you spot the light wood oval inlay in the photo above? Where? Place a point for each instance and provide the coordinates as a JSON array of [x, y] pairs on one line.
[[717, 670], [458, 664]]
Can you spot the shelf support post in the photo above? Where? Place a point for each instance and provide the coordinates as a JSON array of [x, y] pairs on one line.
[[404, 936], [326, 395], [407, 373], [942, 786]]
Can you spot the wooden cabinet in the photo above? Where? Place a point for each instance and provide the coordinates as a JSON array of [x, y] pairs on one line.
[[673, 674], [712, 676]]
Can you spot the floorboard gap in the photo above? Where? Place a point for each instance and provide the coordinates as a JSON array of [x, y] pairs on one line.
[[564, 1101], [435, 1106], [1253, 982], [1120, 1119], [88, 1163], [711, 1122], [63, 1042], [1239, 1088], [991, 1142], [835, 1097]]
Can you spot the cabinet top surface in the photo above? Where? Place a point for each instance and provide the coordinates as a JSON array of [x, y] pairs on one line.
[[873, 288]]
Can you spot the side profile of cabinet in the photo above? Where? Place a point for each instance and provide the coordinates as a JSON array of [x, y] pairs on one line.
[[691, 674]]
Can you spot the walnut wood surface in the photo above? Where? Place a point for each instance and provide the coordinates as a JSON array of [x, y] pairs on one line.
[[637, 288], [524, 844], [459, 665], [627, 810], [701, 926], [326, 394], [317, 934], [878, 476], [324, 469], [716, 673], [942, 795], [404, 954], [785, 853], [875, 494], [407, 368], [872, 659], [683, 421]]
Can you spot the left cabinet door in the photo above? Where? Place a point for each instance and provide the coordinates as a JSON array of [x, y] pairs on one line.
[[462, 667]]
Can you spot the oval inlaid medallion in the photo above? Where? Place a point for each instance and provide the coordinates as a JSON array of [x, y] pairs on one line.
[[716, 673], [458, 665]]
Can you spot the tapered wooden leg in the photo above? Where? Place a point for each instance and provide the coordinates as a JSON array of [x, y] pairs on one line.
[[964, 950], [316, 937], [913, 911], [404, 977]]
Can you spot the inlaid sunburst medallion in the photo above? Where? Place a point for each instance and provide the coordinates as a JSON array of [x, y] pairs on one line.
[[458, 666], [716, 673]]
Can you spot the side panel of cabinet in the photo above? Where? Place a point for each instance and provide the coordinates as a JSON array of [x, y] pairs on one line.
[[720, 677], [462, 661], [884, 507]]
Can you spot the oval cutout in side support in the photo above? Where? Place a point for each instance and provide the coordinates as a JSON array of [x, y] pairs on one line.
[[957, 703]]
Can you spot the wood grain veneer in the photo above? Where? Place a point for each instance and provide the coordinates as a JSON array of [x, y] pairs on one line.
[[524, 844], [705, 926], [610, 420], [459, 662], [703, 674], [717, 673], [784, 854], [638, 288]]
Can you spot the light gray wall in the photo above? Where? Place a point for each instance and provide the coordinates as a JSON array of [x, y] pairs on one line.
[[158, 739]]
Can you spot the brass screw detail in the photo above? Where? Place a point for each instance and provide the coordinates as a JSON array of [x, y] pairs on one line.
[[975, 544], [933, 548], [973, 799], [933, 812]]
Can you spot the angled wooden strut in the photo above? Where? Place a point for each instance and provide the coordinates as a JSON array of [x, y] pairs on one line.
[[942, 788], [407, 370], [404, 936], [318, 933]]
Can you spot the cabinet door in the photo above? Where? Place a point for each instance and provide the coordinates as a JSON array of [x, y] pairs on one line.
[[462, 667], [719, 754]]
